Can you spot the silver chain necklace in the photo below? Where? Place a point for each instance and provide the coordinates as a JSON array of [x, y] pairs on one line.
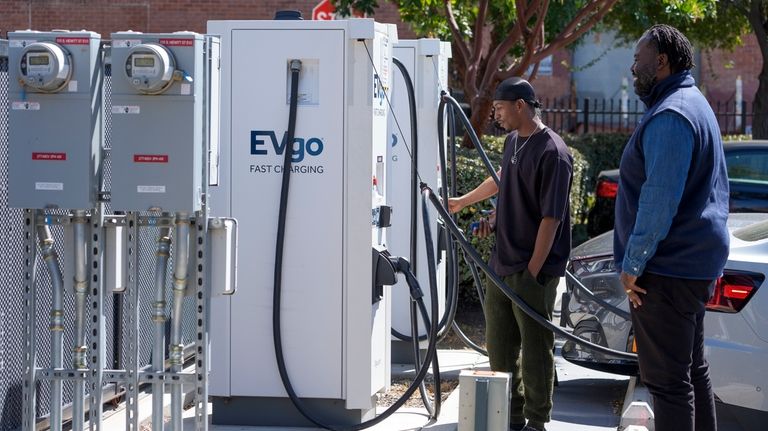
[[517, 139]]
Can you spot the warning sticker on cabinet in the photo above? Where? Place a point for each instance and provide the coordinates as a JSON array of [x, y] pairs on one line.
[[25, 106], [125, 109], [150, 189], [49, 186]]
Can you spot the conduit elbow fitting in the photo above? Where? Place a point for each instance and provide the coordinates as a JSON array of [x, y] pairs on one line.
[[159, 314], [57, 321], [79, 358], [176, 354], [179, 283]]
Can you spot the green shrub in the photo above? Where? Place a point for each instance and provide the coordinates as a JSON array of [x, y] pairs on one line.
[[737, 137], [470, 172], [591, 154]]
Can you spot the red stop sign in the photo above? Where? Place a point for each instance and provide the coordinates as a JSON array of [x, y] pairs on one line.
[[324, 11]]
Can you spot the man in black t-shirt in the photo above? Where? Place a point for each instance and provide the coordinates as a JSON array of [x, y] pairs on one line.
[[533, 240]]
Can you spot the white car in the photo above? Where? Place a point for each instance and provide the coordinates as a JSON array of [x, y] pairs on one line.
[[735, 325]]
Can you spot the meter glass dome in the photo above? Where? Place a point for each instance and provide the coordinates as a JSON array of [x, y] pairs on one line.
[[149, 68], [45, 67]]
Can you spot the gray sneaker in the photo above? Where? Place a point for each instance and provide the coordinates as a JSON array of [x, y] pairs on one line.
[[530, 428]]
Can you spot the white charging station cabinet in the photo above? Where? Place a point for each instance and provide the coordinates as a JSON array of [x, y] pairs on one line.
[[335, 331], [426, 61], [55, 120], [161, 119]]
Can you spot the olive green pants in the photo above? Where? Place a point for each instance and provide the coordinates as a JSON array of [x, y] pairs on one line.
[[509, 330]]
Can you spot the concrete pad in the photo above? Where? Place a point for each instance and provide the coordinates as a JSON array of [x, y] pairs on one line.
[[452, 362], [585, 400]]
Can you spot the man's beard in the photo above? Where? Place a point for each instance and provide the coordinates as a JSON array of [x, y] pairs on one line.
[[644, 82]]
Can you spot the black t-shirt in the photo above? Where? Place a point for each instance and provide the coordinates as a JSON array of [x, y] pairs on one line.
[[538, 185]]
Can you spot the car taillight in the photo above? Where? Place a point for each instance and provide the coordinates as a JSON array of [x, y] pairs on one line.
[[607, 189], [734, 290]]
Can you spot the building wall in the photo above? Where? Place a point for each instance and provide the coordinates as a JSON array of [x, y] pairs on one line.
[[556, 86], [716, 73], [107, 16], [720, 68], [601, 63]]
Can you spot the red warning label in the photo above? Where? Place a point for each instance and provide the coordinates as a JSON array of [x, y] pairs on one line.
[[49, 156], [150, 158], [177, 42], [73, 40]]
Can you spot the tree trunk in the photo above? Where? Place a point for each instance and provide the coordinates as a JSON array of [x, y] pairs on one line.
[[481, 112], [760, 119], [756, 19]]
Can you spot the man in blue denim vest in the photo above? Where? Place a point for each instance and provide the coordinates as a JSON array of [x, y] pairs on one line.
[[670, 238]]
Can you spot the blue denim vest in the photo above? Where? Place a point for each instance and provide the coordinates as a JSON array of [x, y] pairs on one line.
[[696, 246]]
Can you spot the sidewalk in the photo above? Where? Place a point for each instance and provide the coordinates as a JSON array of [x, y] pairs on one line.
[[585, 400]]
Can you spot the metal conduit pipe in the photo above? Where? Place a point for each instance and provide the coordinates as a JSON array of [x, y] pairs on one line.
[[80, 284], [180, 260], [158, 317], [51, 260], [109, 393]]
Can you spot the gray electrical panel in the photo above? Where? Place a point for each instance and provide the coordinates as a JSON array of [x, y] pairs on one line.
[[55, 93], [161, 115]]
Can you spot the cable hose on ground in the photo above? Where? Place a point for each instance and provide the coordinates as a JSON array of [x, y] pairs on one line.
[[277, 290], [466, 340], [475, 256]]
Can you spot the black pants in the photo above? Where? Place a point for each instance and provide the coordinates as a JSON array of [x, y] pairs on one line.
[[669, 332]]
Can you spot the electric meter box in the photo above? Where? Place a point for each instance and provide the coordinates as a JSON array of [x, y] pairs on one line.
[[335, 329], [426, 61], [163, 102], [55, 120]]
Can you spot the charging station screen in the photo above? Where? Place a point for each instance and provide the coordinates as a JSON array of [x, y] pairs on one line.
[[39, 60], [143, 62]]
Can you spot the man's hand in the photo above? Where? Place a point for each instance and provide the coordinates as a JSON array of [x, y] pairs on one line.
[[483, 229], [486, 226], [632, 290], [455, 205]]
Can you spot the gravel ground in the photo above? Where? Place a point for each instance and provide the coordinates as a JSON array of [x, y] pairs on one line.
[[399, 386], [472, 323]]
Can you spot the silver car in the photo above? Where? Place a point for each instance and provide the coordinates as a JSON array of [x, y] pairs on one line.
[[736, 322]]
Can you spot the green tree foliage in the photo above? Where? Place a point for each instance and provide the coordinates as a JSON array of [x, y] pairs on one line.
[[756, 13], [495, 39], [707, 23]]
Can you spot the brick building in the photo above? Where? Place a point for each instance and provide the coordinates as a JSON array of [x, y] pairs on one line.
[[106, 16], [718, 69]]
